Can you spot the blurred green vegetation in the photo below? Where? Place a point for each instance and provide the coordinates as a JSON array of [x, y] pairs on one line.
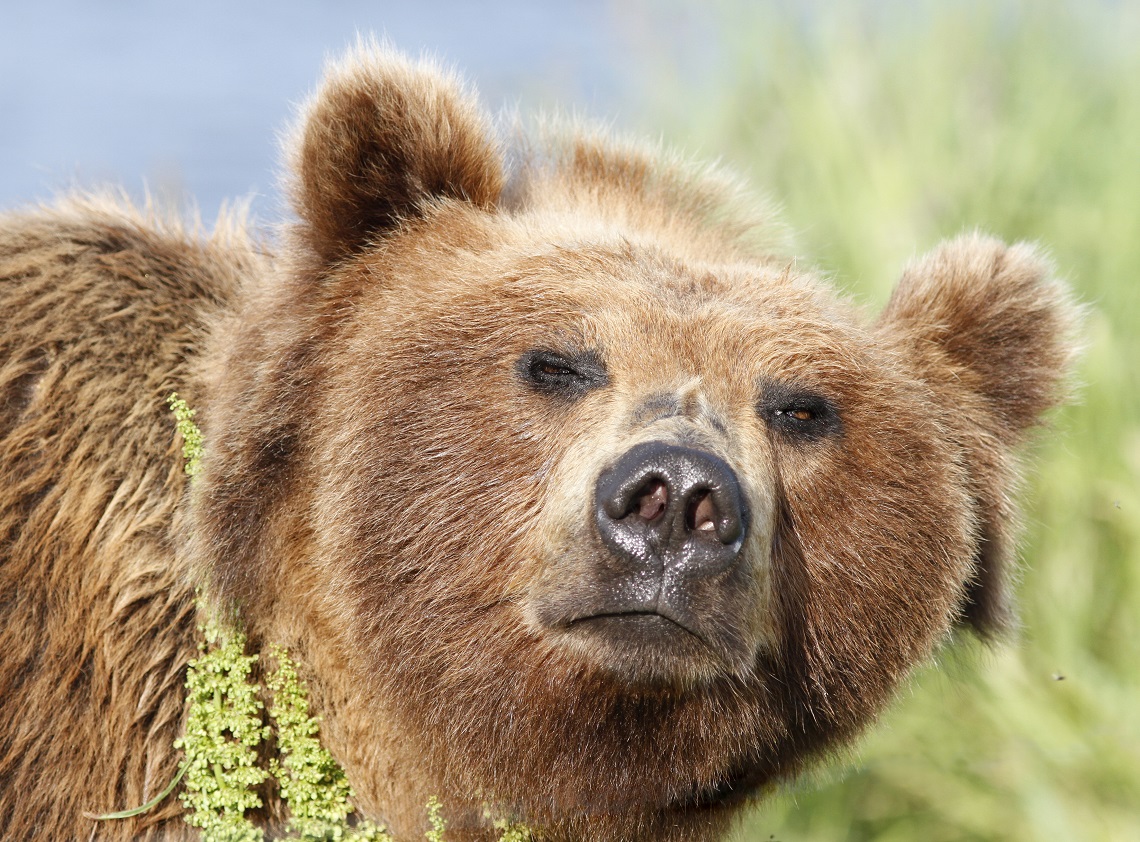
[[882, 128]]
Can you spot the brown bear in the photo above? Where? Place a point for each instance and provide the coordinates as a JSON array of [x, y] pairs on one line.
[[569, 491]]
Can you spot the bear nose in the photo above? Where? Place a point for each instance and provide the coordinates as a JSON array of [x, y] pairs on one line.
[[663, 503]]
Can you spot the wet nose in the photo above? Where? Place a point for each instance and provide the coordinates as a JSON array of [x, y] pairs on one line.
[[667, 504]]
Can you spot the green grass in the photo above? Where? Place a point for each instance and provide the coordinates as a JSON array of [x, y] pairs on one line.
[[882, 128]]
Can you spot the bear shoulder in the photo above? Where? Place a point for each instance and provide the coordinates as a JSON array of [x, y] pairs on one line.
[[102, 305]]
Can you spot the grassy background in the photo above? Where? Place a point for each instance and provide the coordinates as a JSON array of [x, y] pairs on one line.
[[882, 128]]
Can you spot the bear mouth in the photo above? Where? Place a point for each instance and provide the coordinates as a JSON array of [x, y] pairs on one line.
[[639, 627], [638, 640], [655, 629]]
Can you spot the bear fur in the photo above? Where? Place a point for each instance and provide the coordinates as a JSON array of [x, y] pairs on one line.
[[412, 411]]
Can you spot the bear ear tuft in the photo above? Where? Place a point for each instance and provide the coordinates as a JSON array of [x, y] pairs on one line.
[[993, 334], [382, 137]]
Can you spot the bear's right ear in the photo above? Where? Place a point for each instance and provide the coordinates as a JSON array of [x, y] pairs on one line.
[[993, 334], [381, 137]]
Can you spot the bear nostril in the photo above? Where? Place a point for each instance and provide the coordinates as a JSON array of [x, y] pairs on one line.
[[669, 504], [651, 503], [701, 516]]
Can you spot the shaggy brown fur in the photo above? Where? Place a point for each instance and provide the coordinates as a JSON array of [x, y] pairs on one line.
[[410, 419]]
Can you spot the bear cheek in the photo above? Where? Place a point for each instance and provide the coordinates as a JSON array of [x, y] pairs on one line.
[[872, 557]]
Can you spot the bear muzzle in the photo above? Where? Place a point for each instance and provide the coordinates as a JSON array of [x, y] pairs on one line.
[[665, 591]]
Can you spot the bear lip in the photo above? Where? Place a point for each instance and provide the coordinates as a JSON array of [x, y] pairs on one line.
[[642, 624]]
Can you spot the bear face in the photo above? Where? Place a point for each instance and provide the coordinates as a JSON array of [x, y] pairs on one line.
[[574, 496], [592, 376], [599, 373]]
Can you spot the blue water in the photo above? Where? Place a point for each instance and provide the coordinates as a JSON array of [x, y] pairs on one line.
[[189, 98]]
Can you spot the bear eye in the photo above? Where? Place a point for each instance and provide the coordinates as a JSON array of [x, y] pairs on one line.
[[797, 414], [567, 375]]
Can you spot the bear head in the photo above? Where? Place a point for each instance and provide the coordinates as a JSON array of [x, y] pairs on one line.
[[573, 494]]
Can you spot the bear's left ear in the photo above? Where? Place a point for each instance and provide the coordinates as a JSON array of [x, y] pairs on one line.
[[382, 137], [993, 334]]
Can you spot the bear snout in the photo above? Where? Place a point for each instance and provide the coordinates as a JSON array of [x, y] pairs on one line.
[[664, 506], [660, 590]]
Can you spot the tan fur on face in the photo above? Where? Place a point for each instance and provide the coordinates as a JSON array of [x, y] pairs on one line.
[[390, 494]]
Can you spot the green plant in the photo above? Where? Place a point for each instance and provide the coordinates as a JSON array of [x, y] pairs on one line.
[[510, 831], [191, 435], [310, 780], [223, 730], [438, 825]]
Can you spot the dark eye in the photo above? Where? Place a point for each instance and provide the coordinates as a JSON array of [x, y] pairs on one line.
[[566, 375], [798, 414]]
